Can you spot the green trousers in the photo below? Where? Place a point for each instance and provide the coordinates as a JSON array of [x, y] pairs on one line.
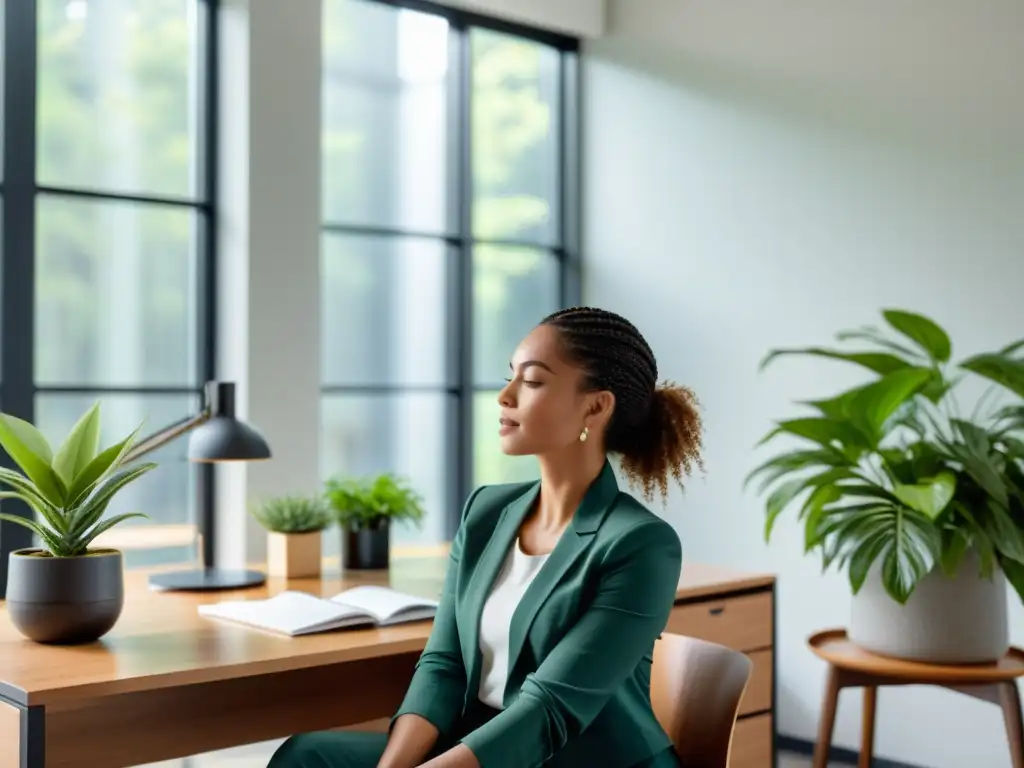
[[352, 749]]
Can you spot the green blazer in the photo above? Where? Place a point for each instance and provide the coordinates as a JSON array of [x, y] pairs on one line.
[[582, 638]]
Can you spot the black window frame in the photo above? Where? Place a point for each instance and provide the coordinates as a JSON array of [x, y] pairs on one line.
[[18, 193], [459, 479]]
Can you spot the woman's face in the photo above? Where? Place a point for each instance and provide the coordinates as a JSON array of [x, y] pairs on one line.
[[543, 408]]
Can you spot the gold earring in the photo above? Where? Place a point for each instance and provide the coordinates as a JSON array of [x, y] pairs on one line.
[[584, 434]]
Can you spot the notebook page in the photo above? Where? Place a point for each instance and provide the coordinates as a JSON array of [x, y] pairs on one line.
[[288, 612], [386, 604]]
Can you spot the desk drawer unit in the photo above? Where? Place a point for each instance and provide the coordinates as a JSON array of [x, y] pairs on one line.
[[744, 621]]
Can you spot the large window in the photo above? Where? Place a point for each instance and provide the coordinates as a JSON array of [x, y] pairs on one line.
[[107, 243], [449, 209]]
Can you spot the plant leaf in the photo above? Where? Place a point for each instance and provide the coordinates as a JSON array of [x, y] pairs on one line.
[[879, 362], [873, 405], [50, 540], [1015, 575], [794, 461], [86, 516], [104, 462], [910, 549], [976, 457], [1014, 447], [1001, 369], [53, 516], [930, 496], [822, 431], [955, 542], [1009, 349], [786, 493], [81, 544], [1005, 534], [864, 556], [814, 510], [79, 447], [30, 451], [875, 336], [836, 408], [980, 540], [923, 331]]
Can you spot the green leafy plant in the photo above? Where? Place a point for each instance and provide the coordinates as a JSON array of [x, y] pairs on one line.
[[68, 490], [292, 514], [366, 503], [892, 469]]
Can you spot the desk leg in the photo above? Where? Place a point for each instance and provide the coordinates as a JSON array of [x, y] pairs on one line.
[[33, 737], [1009, 701], [867, 727], [828, 718]]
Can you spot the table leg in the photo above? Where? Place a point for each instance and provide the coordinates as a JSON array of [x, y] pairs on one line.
[[867, 727], [828, 719], [1009, 700], [33, 737]]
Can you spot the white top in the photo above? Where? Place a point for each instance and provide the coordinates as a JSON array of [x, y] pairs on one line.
[[515, 576]]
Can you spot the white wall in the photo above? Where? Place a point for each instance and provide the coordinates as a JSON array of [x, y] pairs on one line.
[[269, 255], [585, 18], [765, 173]]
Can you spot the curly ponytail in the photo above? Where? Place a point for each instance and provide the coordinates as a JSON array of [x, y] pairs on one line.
[[656, 429]]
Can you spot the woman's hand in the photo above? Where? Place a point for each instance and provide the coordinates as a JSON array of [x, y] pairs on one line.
[[459, 756], [412, 738]]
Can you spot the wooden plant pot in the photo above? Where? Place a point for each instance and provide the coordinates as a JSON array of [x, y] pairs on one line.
[[294, 555]]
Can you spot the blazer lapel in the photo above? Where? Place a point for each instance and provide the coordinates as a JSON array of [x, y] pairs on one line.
[[573, 543], [482, 580]]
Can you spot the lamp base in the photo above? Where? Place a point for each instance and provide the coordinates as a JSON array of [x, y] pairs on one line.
[[205, 580]]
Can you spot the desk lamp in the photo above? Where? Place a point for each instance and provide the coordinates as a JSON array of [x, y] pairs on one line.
[[216, 436]]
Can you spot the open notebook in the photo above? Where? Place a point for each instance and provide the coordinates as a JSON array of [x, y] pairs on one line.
[[300, 613]]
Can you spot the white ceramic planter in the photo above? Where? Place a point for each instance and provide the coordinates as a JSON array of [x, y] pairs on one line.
[[960, 620]]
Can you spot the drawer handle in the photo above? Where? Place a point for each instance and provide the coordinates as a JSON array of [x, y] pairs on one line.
[[717, 611]]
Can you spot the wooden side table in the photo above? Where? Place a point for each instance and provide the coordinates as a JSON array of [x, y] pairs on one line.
[[853, 667]]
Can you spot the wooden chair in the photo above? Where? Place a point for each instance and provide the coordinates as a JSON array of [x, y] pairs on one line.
[[696, 687]]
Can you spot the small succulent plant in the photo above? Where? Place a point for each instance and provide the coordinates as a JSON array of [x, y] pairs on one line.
[[292, 514]]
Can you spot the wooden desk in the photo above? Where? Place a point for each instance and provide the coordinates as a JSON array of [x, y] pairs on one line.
[[167, 683]]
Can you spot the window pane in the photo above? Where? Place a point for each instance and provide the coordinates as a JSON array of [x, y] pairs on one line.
[[384, 305], [118, 95], [515, 155], [513, 290], [116, 294], [405, 434], [490, 465], [384, 117], [166, 493]]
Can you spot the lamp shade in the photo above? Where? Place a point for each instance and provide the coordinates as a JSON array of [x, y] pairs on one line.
[[226, 439], [222, 437]]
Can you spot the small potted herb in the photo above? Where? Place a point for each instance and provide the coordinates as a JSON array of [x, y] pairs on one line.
[[366, 509], [294, 525], [67, 590]]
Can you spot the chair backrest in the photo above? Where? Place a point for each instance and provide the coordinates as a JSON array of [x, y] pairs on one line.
[[696, 687]]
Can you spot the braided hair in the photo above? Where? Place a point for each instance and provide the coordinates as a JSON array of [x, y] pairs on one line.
[[655, 428]]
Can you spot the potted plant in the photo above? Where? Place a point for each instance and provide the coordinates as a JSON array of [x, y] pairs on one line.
[[65, 591], [917, 493], [365, 509], [294, 525]]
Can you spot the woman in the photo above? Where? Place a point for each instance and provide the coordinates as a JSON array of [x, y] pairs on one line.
[[555, 591]]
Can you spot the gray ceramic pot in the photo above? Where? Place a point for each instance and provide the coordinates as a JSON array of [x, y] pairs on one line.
[[65, 599]]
